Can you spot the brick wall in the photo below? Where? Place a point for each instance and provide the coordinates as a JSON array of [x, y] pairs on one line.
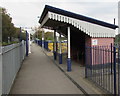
[[96, 53], [98, 41], [103, 41]]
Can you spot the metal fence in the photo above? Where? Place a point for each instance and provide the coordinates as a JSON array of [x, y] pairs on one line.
[[39, 42], [12, 57], [0, 70], [102, 67], [48, 45]]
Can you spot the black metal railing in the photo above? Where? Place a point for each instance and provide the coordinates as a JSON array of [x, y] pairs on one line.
[[102, 67]]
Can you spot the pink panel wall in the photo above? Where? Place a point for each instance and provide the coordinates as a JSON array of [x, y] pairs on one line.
[[100, 41], [95, 53], [103, 41]]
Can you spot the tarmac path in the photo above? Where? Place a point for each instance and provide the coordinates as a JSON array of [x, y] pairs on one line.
[[39, 75]]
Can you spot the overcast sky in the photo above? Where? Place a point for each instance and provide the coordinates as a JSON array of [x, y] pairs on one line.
[[25, 12]]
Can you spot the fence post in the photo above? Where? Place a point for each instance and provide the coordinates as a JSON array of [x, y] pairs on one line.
[[20, 35], [111, 58], [114, 70], [47, 45], [1, 70], [26, 43], [119, 71]]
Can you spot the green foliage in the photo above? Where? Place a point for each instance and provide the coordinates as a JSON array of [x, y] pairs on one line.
[[17, 34], [8, 28], [23, 36], [38, 33], [117, 39], [5, 43], [7, 25], [63, 38], [49, 36]]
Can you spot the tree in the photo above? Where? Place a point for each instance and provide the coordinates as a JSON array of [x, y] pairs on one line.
[[38, 32], [117, 39], [49, 36], [8, 28]]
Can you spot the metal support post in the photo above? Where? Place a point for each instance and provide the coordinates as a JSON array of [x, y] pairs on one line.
[[60, 49], [54, 46], [114, 71], [43, 39], [69, 57]]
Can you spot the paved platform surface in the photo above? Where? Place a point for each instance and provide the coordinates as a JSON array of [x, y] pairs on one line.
[[39, 75], [77, 74]]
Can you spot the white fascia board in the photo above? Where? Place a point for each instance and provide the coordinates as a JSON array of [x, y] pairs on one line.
[[91, 29], [44, 20]]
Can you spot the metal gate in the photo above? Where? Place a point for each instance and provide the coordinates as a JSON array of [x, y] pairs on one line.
[[103, 67]]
